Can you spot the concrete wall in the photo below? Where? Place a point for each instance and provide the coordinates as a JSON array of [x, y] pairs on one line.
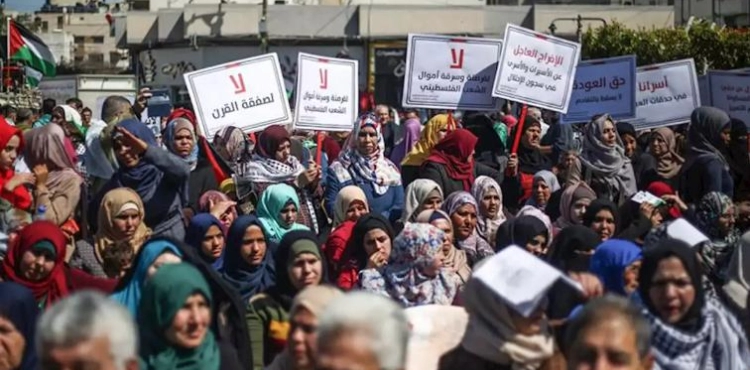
[[632, 16], [60, 44], [90, 33]]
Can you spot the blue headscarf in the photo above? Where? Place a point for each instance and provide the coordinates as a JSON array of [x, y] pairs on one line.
[[196, 232], [271, 202], [170, 133], [610, 260], [20, 308], [247, 280], [144, 177], [129, 295]]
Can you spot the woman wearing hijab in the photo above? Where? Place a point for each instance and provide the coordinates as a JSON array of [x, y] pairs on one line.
[[58, 185], [414, 275], [527, 232], [248, 262], [641, 160], [363, 163], [351, 205], [706, 169], [543, 186], [219, 205], [158, 177], [602, 217], [36, 260], [715, 217], [207, 234], [434, 130], [120, 224], [278, 211], [421, 194], [462, 209], [604, 163], [570, 252], [663, 148], [573, 204], [411, 131], [737, 157], [13, 184], [689, 329], [617, 263], [675, 205], [299, 264], [69, 120], [491, 215], [541, 216], [19, 309], [369, 247], [522, 166], [234, 147], [273, 164], [175, 323], [636, 220], [454, 259], [301, 347]]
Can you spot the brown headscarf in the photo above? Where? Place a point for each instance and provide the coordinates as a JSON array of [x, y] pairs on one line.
[[46, 145], [113, 204], [669, 164]]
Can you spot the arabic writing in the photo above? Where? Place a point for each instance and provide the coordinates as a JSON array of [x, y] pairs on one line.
[[546, 58], [533, 71], [653, 85], [736, 89], [660, 99], [235, 106], [742, 102], [599, 99], [322, 103], [599, 83], [440, 78]]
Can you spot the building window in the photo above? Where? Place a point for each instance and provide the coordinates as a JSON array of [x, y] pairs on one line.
[[59, 22], [114, 57], [78, 39], [45, 26], [96, 58], [97, 39], [78, 59]]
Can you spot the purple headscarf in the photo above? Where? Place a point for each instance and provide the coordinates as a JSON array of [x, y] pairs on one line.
[[412, 131]]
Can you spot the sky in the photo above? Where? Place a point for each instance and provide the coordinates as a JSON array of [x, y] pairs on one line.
[[24, 5]]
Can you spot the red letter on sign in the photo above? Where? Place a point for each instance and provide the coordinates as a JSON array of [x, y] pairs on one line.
[[239, 84], [458, 58], [323, 78]]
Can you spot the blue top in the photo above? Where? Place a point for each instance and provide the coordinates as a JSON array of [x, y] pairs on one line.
[[389, 204]]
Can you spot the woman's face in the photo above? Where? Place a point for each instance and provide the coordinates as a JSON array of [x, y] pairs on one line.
[[658, 146], [213, 243], [538, 245], [442, 133], [125, 154], [288, 215], [609, 134], [447, 228], [568, 159], [532, 136], [306, 270], [303, 337], [464, 221], [726, 136], [367, 141], [433, 202], [531, 325], [253, 246], [163, 259], [489, 205], [10, 153], [630, 276], [604, 224], [283, 152], [578, 209], [541, 192], [726, 221], [672, 292], [36, 265], [356, 210], [125, 224], [378, 241], [183, 142], [190, 323], [630, 145]]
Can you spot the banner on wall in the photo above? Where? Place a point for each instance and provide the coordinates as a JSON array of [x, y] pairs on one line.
[[730, 92]]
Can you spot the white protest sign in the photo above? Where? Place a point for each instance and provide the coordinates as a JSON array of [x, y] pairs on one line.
[[681, 229], [703, 90], [730, 92], [248, 94], [444, 72], [603, 86], [667, 94], [327, 93], [536, 69]]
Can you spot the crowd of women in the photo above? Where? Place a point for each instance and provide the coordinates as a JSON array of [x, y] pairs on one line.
[[247, 238]]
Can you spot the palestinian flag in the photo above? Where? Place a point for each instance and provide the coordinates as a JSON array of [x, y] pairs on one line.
[[33, 76], [30, 49]]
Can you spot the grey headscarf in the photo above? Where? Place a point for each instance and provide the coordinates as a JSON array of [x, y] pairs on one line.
[[608, 163], [704, 133]]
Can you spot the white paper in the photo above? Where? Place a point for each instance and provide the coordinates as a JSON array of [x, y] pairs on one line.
[[248, 94], [444, 72], [730, 92], [644, 196], [603, 86], [681, 229], [667, 94], [327, 93], [536, 69], [519, 277]]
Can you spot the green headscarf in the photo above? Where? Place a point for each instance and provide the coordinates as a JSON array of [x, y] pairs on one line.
[[163, 296], [271, 202]]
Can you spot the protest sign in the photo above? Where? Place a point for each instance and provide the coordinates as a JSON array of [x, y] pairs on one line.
[[327, 93], [248, 94], [444, 72], [536, 69], [667, 94], [730, 92], [603, 86]]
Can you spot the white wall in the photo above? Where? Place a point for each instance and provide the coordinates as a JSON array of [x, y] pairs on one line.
[[155, 5], [60, 44]]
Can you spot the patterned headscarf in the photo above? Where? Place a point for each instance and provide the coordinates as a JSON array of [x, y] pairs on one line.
[[173, 127], [488, 227], [475, 246], [716, 254], [402, 278]]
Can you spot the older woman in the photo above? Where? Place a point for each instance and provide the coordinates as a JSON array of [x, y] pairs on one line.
[[414, 275], [491, 215], [278, 211], [454, 259], [528, 161], [434, 130], [363, 163], [120, 225], [544, 184], [369, 247], [715, 217], [604, 164], [421, 194], [462, 209], [663, 147]]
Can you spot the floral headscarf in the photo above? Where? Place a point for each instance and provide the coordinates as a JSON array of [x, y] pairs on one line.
[[402, 279], [488, 227], [475, 246]]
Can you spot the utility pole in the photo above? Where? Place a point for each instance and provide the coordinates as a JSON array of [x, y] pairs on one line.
[[579, 24], [263, 28]]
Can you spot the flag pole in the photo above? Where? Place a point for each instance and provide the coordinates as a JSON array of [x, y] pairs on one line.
[[7, 50]]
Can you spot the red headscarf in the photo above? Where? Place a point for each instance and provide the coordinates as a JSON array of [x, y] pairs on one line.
[[454, 151], [220, 172], [660, 189], [20, 197], [55, 286], [270, 140]]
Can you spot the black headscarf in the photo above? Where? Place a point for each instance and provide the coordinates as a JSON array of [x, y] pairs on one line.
[[355, 248], [651, 259], [736, 154], [284, 291], [572, 239], [598, 205], [704, 134], [530, 160], [519, 231], [489, 147], [20, 308]]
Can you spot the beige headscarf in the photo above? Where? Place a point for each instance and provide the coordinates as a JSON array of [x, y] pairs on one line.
[[344, 198], [490, 333], [113, 204], [670, 163], [46, 145], [456, 258], [416, 194]]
